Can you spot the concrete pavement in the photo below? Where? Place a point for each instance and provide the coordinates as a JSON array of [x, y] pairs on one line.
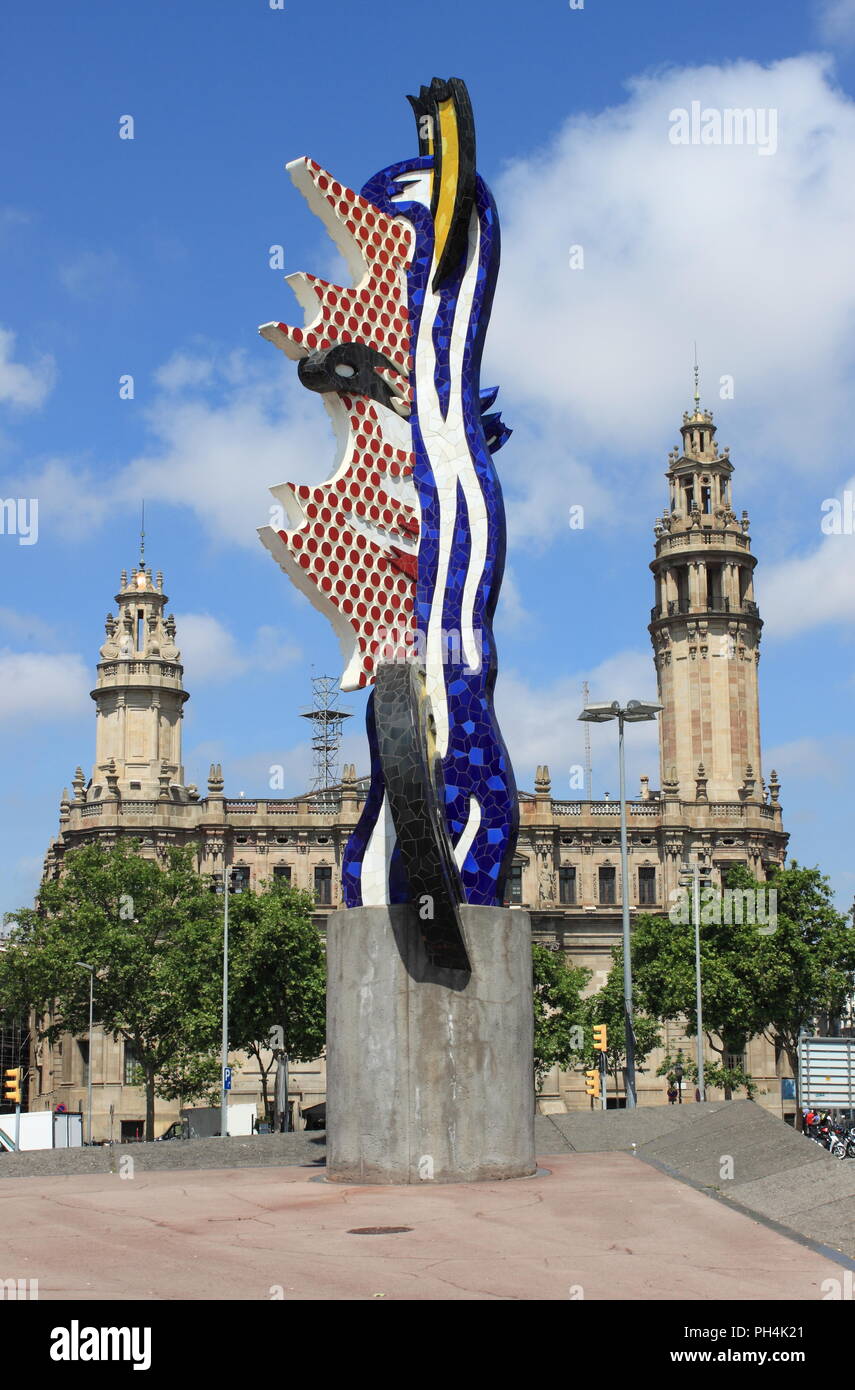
[[602, 1226]]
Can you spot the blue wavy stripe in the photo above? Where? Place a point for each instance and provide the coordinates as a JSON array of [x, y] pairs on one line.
[[477, 763]]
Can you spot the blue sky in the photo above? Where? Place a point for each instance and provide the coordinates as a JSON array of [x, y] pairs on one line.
[[150, 257]]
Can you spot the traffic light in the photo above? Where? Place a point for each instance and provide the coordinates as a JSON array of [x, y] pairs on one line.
[[592, 1083], [12, 1077], [601, 1037]]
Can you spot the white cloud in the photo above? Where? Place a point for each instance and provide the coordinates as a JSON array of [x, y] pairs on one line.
[[750, 255], [192, 370], [209, 652], [72, 501], [540, 724], [512, 614], [836, 22], [220, 459], [95, 275], [540, 495], [21, 386], [811, 759], [272, 650], [11, 218], [27, 627], [292, 766], [182, 371], [804, 591], [37, 686]]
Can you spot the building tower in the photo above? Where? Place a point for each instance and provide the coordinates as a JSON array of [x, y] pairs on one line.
[[705, 626], [139, 696]]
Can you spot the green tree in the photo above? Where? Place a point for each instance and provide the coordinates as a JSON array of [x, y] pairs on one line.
[[607, 1006], [774, 956], [727, 1079], [277, 977], [558, 1013], [151, 930], [806, 965], [663, 963]]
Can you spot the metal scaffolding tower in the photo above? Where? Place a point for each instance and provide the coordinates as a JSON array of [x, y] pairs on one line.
[[327, 720]]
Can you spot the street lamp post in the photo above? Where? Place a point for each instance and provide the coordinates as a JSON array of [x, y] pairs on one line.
[[91, 969], [230, 884], [223, 885], [224, 1095], [693, 877], [634, 712]]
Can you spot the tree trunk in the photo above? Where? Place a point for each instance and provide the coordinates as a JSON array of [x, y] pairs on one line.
[[793, 1059], [728, 1093], [263, 1073], [149, 1105], [264, 1076]]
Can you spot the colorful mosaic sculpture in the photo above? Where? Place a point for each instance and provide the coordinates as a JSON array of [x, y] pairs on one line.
[[403, 547]]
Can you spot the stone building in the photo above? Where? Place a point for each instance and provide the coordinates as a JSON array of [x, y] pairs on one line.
[[712, 805]]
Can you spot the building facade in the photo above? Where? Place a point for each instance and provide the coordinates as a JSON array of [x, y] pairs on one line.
[[712, 805]]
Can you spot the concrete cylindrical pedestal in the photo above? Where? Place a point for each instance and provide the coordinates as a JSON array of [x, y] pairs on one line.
[[429, 1071]]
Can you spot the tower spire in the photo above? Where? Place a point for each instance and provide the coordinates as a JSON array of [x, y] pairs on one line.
[[705, 625], [139, 695], [142, 536]]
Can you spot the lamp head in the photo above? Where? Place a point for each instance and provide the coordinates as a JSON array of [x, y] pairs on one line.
[[599, 714], [638, 710]]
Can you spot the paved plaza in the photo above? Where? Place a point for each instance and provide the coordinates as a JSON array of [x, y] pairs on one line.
[[598, 1226]]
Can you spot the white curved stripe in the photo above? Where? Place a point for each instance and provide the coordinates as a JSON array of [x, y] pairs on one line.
[[451, 463], [437, 446], [374, 879], [469, 481], [464, 844]]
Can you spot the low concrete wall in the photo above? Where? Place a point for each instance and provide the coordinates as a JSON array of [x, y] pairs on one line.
[[429, 1071]]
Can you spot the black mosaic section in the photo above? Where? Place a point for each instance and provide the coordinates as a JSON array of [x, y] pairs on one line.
[[323, 371], [413, 778], [427, 104]]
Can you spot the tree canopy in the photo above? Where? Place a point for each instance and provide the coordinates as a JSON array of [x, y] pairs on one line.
[[153, 930], [558, 1013], [772, 968], [278, 978], [150, 928], [607, 1006]]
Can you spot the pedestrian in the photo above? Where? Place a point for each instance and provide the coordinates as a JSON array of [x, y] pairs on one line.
[[672, 1095]]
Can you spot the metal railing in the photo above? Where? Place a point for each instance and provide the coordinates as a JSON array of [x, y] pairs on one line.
[[723, 605]]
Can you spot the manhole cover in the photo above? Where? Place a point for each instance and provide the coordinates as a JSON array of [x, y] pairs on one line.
[[378, 1230]]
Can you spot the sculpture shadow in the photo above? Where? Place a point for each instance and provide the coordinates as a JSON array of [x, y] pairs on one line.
[[418, 955]]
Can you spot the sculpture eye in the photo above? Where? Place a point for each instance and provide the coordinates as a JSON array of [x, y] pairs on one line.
[[344, 369]]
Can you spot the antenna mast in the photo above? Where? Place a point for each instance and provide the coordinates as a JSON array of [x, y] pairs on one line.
[[589, 774], [327, 720]]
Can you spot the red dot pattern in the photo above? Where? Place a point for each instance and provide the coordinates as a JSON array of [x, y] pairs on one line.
[[354, 572], [375, 312]]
